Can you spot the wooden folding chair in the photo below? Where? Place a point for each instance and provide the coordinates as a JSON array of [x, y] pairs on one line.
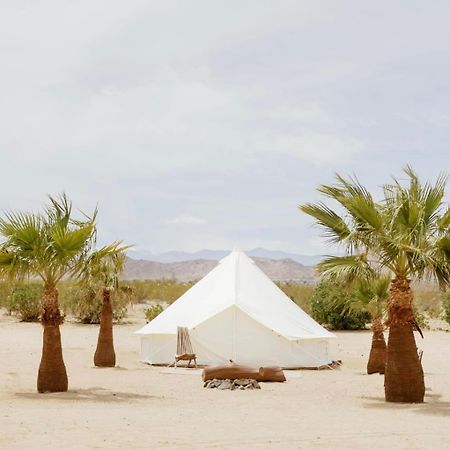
[[184, 347], [420, 354]]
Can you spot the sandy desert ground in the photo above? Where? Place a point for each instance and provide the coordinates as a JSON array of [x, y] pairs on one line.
[[135, 406]]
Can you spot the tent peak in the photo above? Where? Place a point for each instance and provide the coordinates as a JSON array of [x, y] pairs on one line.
[[236, 254]]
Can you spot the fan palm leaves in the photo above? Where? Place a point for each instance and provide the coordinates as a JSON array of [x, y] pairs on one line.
[[102, 267], [371, 296], [50, 245], [407, 235], [100, 273]]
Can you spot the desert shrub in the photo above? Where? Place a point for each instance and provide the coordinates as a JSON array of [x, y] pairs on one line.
[[428, 300], [120, 302], [421, 318], [446, 306], [166, 291], [69, 296], [24, 301], [86, 305], [128, 293], [5, 290], [328, 307], [140, 289], [153, 311], [300, 294]]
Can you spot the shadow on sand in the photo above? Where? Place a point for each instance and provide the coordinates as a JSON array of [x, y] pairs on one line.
[[432, 406], [95, 394]]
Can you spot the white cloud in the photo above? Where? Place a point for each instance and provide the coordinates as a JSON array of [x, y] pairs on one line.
[[320, 148], [224, 109], [128, 89], [186, 220]]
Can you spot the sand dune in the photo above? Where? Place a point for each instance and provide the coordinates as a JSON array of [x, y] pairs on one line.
[[136, 406]]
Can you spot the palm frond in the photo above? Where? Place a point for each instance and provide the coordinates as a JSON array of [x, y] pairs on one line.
[[407, 233], [49, 245], [356, 199], [103, 267], [369, 296], [444, 221], [66, 243], [335, 228], [346, 269]]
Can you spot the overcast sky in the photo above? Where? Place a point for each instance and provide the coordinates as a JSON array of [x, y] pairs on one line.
[[200, 124]]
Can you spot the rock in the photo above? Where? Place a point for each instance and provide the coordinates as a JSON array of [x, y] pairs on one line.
[[215, 383], [212, 384], [242, 381], [226, 384]]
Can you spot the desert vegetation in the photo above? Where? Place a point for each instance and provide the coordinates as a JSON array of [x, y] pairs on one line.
[[84, 305], [54, 246], [100, 276], [23, 300], [404, 236], [165, 291], [78, 304], [329, 305], [50, 246], [153, 311]]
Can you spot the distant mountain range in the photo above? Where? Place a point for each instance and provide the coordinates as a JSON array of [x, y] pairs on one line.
[[194, 269], [216, 255]]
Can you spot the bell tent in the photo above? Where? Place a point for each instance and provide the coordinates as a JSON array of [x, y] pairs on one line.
[[236, 313]]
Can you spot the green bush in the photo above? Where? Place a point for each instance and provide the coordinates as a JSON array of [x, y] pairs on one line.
[[300, 294], [446, 306], [166, 291], [86, 305], [153, 311], [24, 301], [328, 307], [5, 290], [421, 318], [428, 299]]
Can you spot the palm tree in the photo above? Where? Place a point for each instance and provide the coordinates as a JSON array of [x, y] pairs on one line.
[[101, 273], [49, 246], [407, 234], [371, 297]]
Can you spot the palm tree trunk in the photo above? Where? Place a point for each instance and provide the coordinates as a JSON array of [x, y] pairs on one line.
[[104, 354], [52, 375], [377, 357], [404, 380]]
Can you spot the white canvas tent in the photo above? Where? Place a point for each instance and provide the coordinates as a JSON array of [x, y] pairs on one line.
[[236, 313]]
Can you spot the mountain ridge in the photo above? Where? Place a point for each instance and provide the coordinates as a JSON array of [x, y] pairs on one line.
[[215, 255], [282, 270]]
